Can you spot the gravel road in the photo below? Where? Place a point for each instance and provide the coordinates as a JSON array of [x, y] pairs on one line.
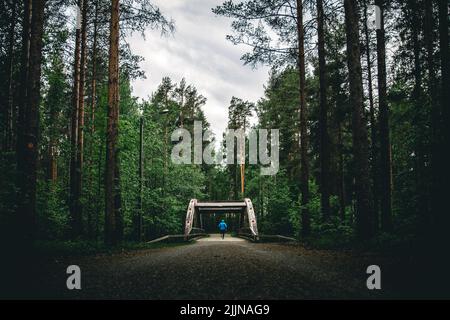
[[214, 269]]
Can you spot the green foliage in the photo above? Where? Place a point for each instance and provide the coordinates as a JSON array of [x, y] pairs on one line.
[[281, 216], [256, 24], [167, 188], [53, 211], [164, 198]]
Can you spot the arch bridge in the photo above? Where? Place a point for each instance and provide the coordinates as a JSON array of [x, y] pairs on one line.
[[247, 218]]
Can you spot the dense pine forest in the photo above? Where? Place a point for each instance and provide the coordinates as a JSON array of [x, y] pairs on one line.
[[362, 109]]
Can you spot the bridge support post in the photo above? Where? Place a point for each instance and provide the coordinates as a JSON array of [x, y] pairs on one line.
[[189, 218], [251, 218]]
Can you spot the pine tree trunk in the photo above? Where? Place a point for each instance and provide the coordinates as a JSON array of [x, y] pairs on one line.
[[52, 159], [442, 217], [236, 182], [52, 162], [138, 225], [323, 117], [364, 228], [9, 112], [80, 124], [385, 144], [75, 217], [90, 226], [94, 71], [341, 179], [111, 180], [436, 142], [373, 126], [118, 201], [445, 69], [304, 178], [24, 74], [25, 212], [420, 131], [27, 165], [100, 182]]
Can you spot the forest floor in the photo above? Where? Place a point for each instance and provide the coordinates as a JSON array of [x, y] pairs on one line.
[[215, 269]]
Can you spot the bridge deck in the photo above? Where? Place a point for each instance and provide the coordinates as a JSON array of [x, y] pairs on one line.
[[218, 238]]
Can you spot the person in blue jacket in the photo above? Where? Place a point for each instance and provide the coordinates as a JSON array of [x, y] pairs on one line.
[[223, 228]]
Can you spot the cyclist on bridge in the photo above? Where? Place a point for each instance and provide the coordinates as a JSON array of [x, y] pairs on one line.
[[223, 228]]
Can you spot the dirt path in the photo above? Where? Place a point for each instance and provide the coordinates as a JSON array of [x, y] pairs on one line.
[[218, 237], [215, 269]]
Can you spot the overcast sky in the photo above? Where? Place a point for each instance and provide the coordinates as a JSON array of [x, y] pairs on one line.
[[199, 52]]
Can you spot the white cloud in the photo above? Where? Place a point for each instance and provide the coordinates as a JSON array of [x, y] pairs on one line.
[[199, 52]]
